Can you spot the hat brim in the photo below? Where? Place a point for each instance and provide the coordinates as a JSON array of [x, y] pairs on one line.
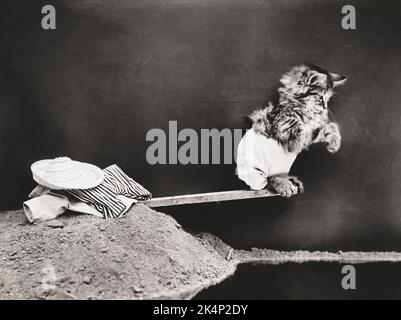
[[68, 175]]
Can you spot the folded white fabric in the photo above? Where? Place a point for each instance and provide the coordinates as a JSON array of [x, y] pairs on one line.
[[260, 157], [47, 204]]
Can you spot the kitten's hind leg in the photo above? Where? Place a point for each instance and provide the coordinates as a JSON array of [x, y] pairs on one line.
[[285, 185]]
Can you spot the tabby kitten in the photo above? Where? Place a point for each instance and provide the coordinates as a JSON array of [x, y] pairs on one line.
[[300, 118]]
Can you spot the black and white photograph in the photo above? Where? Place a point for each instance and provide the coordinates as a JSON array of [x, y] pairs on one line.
[[183, 153]]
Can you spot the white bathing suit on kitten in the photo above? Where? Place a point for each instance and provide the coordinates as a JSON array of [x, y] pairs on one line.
[[259, 157]]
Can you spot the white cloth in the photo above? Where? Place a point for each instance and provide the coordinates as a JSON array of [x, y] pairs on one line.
[[260, 157], [48, 204]]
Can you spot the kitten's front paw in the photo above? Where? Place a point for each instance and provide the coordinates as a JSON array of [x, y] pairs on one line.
[[286, 186], [333, 143], [298, 183]]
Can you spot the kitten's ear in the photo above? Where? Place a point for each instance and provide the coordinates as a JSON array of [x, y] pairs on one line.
[[338, 79], [287, 79], [317, 78]]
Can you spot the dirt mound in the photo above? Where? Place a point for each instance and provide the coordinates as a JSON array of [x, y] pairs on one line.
[[144, 255]]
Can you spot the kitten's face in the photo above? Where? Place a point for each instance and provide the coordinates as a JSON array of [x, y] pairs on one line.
[[311, 81]]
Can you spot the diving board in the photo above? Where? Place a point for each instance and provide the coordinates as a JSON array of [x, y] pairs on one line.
[[207, 197]]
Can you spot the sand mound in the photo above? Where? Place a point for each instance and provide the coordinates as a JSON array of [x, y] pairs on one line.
[[144, 255]]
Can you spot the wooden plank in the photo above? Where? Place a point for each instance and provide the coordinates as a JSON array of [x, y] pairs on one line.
[[207, 197]]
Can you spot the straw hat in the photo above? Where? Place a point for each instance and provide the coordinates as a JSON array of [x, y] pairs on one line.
[[64, 173]]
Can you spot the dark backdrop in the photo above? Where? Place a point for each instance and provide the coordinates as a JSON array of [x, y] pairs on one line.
[[115, 69]]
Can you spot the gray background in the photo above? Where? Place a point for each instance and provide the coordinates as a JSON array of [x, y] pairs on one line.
[[115, 69]]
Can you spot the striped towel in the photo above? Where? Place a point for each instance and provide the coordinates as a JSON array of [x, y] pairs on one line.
[[105, 196]]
